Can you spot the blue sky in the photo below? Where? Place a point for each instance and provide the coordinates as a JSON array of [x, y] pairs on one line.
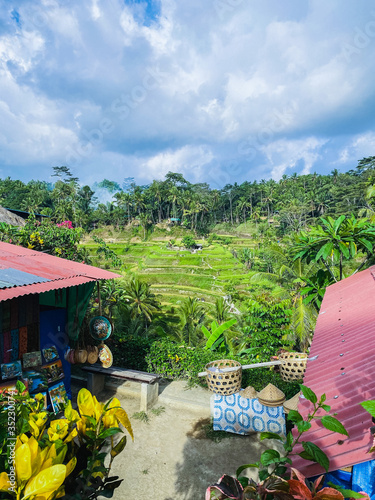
[[222, 91]]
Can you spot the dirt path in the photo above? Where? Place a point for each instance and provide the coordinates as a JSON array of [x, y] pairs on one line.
[[168, 460]]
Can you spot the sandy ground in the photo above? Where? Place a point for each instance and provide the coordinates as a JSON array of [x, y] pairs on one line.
[[169, 460]]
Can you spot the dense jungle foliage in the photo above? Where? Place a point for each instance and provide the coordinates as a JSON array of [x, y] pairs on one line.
[[234, 272]]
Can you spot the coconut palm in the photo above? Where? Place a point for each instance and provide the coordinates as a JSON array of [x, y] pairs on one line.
[[294, 276], [192, 315], [142, 302], [221, 312]]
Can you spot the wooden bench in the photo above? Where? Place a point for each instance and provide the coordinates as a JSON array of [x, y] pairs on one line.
[[149, 381]]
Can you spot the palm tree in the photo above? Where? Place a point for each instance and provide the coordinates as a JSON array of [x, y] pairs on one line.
[[174, 195], [192, 315], [138, 200], [221, 313], [335, 241], [142, 302], [156, 190], [243, 204], [294, 276]]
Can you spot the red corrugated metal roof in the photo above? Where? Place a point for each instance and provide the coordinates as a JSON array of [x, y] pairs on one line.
[[344, 341], [62, 273]]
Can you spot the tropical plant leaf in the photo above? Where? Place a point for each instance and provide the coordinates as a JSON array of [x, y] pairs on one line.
[[309, 394], [337, 223], [248, 466], [316, 453], [332, 424], [226, 487], [325, 251], [294, 416], [345, 492], [303, 426], [369, 406], [270, 435], [269, 457]]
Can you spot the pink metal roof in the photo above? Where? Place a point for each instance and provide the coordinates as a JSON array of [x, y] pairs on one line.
[[62, 273], [344, 341]]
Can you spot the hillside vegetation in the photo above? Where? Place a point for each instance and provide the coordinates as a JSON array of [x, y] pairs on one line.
[[239, 271]]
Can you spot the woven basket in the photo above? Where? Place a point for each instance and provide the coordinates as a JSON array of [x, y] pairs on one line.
[[293, 365], [271, 396], [224, 383]]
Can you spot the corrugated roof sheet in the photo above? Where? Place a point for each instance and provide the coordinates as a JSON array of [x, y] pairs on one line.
[[344, 341], [14, 277], [60, 273]]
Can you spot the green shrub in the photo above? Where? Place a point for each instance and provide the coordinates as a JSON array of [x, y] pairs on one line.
[[260, 377], [131, 353], [188, 241], [175, 361]]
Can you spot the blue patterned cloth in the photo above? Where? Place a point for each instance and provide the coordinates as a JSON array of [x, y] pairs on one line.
[[243, 416]]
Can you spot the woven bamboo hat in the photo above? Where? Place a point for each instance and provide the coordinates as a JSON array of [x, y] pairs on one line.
[[292, 403], [249, 393], [271, 396]]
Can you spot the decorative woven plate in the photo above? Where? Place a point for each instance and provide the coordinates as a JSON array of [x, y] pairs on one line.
[[92, 354], [105, 356], [100, 328]]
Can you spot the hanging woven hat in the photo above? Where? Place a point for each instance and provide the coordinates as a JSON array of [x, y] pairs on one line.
[[271, 396], [249, 393], [292, 403]]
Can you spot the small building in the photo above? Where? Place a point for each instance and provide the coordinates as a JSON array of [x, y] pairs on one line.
[[25, 215], [344, 370], [174, 221], [43, 300], [11, 218]]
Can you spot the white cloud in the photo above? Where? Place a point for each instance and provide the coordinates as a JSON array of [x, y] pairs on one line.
[[283, 155], [189, 160], [360, 146], [95, 10], [268, 74]]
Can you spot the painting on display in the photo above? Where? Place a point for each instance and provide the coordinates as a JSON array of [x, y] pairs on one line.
[[31, 359], [53, 371], [58, 396], [37, 381], [50, 354], [9, 388], [11, 370]]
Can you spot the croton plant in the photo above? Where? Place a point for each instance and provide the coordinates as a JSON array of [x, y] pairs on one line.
[[277, 479]]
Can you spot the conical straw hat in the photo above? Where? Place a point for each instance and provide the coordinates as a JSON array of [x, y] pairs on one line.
[[249, 393], [271, 396], [292, 403]]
